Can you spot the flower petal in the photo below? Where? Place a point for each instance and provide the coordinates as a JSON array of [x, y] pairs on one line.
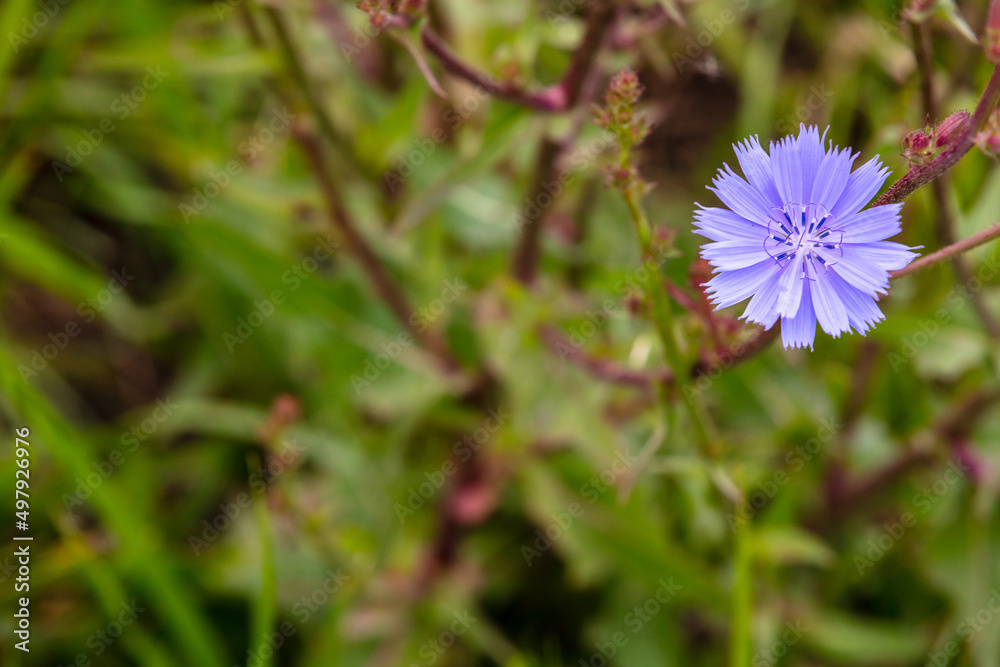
[[790, 286], [756, 166], [862, 185], [887, 255], [800, 331], [831, 177], [762, 308], [810, 148], [872, 224], [720, 224], [830, 309], [862, 311], [856, 270], [740, 196], [737, 254], [787, 166], [730, 287]]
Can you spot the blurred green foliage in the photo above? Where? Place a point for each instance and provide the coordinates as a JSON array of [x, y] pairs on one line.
[[180, 315]]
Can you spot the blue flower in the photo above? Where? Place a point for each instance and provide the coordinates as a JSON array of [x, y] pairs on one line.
[[795, 240]]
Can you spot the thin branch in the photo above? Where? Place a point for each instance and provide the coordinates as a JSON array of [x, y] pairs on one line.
[[945, 220], [370, 262], [609, 371], [296, 66], [954, 249], [558, 97], [599, 23], [526, 255], [551, 98], [524, 263], [963, 142], [952, 429], [925, 65], [738, 353], [603, 369]]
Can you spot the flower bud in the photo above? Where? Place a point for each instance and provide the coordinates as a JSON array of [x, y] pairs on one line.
[[618, 115], [991, 35], [918, 146], [919, 11], [949, 128], [988, 139]]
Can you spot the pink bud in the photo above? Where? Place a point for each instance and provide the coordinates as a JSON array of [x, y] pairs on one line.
[[949, 128], [989, 139], [917, 146], [989, 142], [991, 35]]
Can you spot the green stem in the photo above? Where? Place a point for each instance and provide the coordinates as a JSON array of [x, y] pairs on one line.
[[740, 642], [663, 319], [265, 610]]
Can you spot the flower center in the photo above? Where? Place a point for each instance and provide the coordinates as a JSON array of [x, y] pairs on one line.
[[803, 233]]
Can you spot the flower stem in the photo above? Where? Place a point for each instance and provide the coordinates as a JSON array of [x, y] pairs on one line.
[[965, 139], [954, 249], [663, 319], [945, 220], [740, 642]]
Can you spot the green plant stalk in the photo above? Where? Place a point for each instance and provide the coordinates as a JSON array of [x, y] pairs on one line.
[[142, 547], [143, 647], [663, 318], [265, 606], [741, 644]]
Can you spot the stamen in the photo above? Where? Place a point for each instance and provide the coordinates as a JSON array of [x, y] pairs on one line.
[[824, 234], [821, 222], [787, 231]]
